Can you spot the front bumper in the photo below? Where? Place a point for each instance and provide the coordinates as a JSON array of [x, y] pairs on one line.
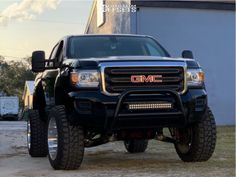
[[96, 110]]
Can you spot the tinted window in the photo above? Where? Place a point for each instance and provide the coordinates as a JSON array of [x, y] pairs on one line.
[[105, 46]]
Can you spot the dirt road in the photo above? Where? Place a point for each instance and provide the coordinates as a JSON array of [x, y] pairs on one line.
[[111, 159]]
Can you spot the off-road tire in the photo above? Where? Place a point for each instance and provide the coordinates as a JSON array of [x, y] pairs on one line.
[[136, 146], [203, 140], [38, 138], [70, 150]]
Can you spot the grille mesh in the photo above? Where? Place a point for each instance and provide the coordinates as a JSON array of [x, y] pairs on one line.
[[118, 79]]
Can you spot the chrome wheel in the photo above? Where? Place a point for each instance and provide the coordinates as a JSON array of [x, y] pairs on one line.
[[28, 134], [52, 138]]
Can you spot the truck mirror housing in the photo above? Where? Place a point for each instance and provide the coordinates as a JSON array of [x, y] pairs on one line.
[[38, 61], [187, 54]]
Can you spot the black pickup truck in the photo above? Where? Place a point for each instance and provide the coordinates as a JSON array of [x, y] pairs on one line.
[[94, 89]]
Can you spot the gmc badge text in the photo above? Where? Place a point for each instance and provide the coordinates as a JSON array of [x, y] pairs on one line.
[[94, 89]]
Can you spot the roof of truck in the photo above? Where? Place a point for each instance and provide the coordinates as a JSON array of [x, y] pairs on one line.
[[81, 35]]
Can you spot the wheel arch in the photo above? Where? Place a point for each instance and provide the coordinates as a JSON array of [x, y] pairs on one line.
[[39, 102], [61, 93]]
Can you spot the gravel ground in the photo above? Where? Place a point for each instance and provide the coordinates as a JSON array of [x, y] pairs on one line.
[[111, 159]]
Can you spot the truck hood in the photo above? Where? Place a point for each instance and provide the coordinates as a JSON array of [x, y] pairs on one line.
[[94, 62]]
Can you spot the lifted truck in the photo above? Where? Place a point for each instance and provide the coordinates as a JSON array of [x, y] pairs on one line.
[[94, 89]]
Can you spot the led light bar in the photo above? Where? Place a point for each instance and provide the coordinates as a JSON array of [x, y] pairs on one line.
[[149, 106]]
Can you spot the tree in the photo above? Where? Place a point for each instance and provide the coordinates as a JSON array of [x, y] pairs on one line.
[[13, 75]]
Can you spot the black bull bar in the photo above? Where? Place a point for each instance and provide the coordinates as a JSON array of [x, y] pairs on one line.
[[143, 92]]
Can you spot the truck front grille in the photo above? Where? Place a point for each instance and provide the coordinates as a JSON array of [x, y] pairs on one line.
[[118, 79]]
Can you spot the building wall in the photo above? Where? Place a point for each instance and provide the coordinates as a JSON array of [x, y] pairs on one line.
[[114, 22], [28, 100], [210, 34]]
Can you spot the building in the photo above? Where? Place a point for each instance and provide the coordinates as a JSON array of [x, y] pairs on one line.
[[207, 27], [28, 94]]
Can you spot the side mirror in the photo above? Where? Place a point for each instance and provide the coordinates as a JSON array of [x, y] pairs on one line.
[[38, 61], [187, 54]]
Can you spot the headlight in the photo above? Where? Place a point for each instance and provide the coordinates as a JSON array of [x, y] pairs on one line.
[[195, 77], [86, 78]]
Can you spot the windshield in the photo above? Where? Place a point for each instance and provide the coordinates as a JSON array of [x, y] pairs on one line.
[[106, 46]]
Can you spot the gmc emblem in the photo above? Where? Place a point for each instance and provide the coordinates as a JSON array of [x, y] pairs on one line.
[[143, 78]]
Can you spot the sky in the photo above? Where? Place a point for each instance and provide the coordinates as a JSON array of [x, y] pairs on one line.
[[28, 25]]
